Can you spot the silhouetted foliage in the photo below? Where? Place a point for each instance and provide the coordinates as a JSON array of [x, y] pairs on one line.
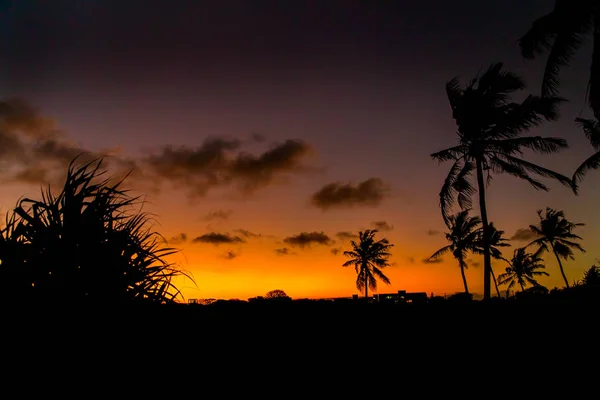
[[591, 277], [368, 258], [464, 236], [489, 132], [523, 269], [556, 232], [591, 129], [85, 244], [497, 240], [561, 34], [277, 294]]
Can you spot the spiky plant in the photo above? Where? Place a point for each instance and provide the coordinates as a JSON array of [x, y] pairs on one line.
[[90, 242]]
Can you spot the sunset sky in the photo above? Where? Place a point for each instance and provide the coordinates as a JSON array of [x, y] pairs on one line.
[[266, 133]]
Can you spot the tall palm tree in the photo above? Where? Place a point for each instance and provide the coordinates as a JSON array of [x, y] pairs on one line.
[[87, 243], [561, 34], [556, 232], [464, 236], [591, 129], [524, 268], [368, 257], [489, 141]]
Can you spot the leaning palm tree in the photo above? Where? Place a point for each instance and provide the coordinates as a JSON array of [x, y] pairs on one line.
[[464, 236], [561, 34], [556, 232], [497, 240], [87, 243], [489, 141], [524, 268], [591, 129], [368, 257]]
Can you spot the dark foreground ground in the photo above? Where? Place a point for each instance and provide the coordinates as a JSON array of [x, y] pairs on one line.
[[308, 347]]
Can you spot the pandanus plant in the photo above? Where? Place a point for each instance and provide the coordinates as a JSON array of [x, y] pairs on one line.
[[90, 242]]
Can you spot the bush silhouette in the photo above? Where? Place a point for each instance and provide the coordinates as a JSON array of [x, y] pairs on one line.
[[87, 243]]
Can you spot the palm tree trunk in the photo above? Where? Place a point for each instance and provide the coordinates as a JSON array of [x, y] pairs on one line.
[[464, 278], [562, 271], [487, 261], [495, 282], [366, 285], [522, 288]]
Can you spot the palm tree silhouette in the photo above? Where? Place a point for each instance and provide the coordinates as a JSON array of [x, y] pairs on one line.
[[490, 141], [591, 129], [464, 236], [497, 239], [89, 243], [561, 33], [523, 269], [556, 231], [368, 257]]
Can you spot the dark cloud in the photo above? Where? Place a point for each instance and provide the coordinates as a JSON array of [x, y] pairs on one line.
[[218, 214], [523, 235], [230, 255], [181, 238], [33, 150], [247, 234], [336, 251], [258, 137], [306, 239], [218, 238], [367, 193], [433, 232], [382, 226], [346, 235], [284, 251], [220, 162], [432, 261]]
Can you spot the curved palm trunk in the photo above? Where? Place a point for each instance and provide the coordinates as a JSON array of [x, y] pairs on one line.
[[487, 261], [366, 285], [495, 281], [464, 278], [562, 271]]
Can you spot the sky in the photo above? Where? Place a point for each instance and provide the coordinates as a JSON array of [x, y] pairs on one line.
[[265, 135]]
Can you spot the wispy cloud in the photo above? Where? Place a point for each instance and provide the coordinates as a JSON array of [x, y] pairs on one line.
[[218, 215], [432, 261], [382, 226], [284, 251], [306, 239], [218, 238], [181, 238], [523, 235], [230, 255], [346, 235]]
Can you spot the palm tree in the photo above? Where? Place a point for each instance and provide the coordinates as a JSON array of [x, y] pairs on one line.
[[523, 269], [368, 257], [86, 243], [561, 34], [497, 239], [490, 141], [555, 231], [464, 236], [591, 129]]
